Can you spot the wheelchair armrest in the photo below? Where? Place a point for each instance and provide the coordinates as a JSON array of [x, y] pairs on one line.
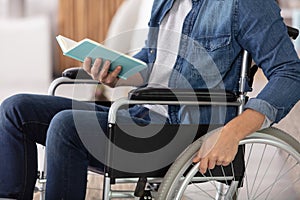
[[165, 94], [293, 32], [76, 73]]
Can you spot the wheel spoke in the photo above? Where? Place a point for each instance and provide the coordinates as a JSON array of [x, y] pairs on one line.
[[259, 165], [269, 159], [266, 171], [271, 186], [246, 176]]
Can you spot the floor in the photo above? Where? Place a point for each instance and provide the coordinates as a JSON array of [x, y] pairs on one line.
[[94, 189]]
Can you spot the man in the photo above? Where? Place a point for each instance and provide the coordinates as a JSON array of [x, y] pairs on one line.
[[191, 44]]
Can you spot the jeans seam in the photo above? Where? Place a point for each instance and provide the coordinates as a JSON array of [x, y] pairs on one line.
[[35, 122], [65, 179], [23, 192], [66, 175], [25, 168]]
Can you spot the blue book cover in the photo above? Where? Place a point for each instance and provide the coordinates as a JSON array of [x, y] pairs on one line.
[[89, 48]]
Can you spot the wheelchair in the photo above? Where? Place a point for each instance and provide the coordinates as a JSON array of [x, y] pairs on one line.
[[267, 165]]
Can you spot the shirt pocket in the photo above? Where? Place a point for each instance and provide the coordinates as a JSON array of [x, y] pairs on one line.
[[213, 43], [210, 58]]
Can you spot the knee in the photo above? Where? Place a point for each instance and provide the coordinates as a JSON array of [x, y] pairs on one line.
[[73, 127], [14, 106], [61, 128], [62, 135]]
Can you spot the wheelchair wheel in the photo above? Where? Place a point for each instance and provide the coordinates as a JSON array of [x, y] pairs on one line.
[[272, 171]]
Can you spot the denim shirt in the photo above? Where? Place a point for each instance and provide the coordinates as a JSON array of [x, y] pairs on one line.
[[214, 35]]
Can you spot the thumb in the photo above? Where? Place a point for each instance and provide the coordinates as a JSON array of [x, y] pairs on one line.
[[198, 156]]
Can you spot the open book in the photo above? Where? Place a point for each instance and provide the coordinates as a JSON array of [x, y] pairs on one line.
[[88, 48]]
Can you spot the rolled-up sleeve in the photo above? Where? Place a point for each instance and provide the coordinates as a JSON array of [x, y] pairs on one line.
[[263, 107]]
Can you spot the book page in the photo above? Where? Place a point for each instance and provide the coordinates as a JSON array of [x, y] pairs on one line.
[[65, 43]]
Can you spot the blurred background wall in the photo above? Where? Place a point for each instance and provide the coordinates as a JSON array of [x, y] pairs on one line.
[[26, 47]]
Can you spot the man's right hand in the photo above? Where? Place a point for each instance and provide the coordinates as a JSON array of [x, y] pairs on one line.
[[100, 71]]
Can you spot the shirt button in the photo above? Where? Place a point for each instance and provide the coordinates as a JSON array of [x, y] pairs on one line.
[[151, 51]]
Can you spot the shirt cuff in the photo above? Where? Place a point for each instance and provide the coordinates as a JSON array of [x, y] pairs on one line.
[[267, 123], [265, 108]]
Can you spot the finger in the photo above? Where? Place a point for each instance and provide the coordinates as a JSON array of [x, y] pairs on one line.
[[219, 163], [113, 76], [226, 162], [104, 71], [211, 164], [96, 68], [198, 157], [203, 165], [220, 160], [116, 72], [87, 65]]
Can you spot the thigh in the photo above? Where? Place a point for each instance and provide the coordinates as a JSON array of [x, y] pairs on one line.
[[33, 113]]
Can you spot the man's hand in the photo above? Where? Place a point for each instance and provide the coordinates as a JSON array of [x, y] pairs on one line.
[[100, 71], [220, 147]]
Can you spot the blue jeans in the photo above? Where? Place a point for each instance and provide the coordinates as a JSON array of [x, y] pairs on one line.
[[29, 119]]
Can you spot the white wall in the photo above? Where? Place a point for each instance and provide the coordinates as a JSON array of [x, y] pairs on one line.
[[27, 33], [12, 8]]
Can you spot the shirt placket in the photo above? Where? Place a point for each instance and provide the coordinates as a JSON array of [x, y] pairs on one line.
[[183, 47]]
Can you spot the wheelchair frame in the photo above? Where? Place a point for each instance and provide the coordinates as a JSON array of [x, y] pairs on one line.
[[110, 194]]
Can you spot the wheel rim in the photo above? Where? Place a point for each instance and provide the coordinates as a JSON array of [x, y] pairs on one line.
[[271, 173]]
